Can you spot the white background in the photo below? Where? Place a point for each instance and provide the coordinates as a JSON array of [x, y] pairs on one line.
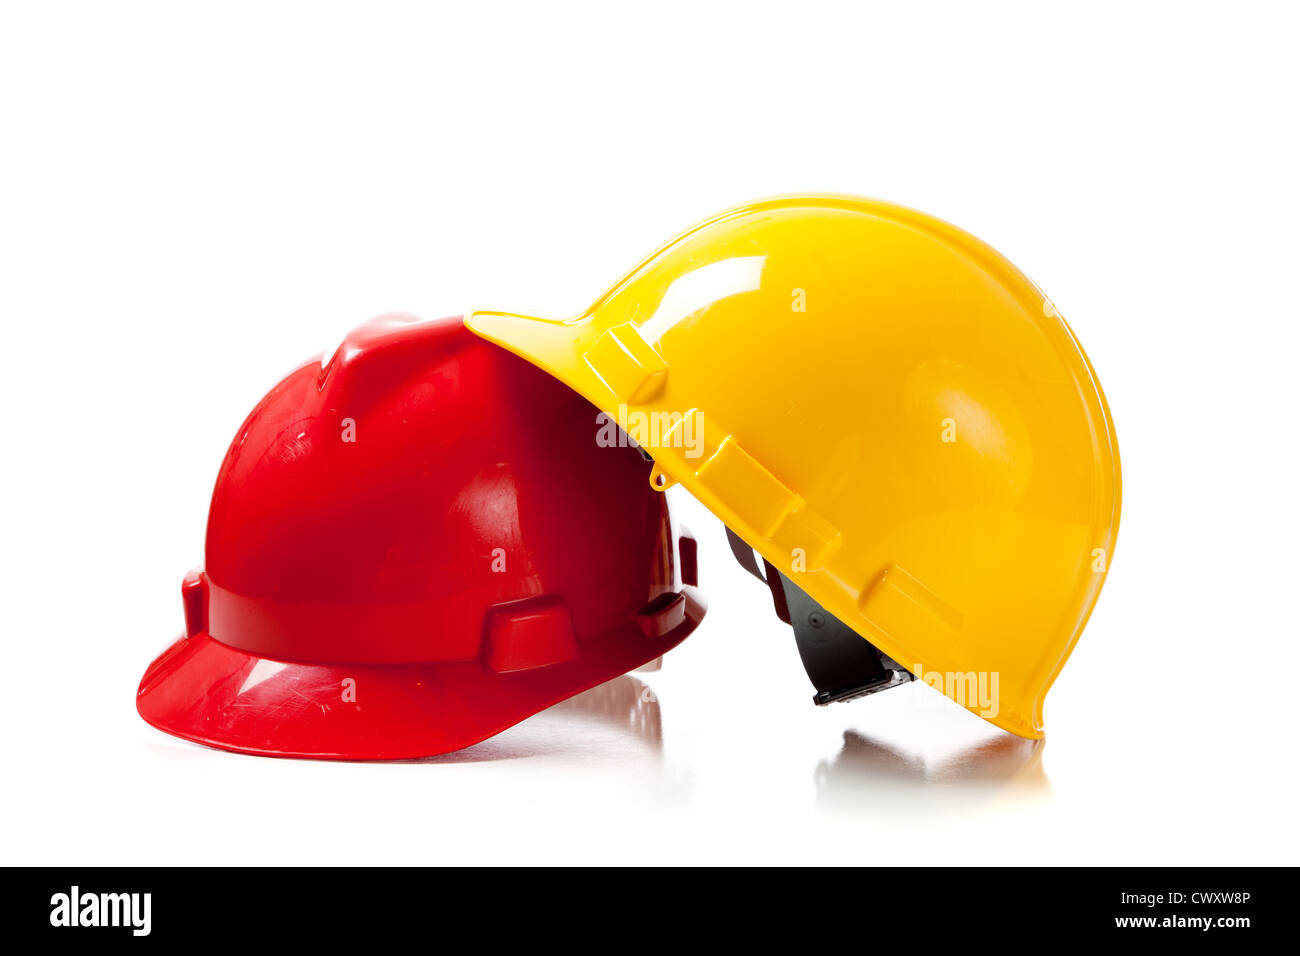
[[193, 198]]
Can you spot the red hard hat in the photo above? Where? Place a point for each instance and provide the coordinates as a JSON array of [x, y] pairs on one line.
[[412, 548]]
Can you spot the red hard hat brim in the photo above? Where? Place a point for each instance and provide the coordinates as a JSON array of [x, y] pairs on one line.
[[214, 694]]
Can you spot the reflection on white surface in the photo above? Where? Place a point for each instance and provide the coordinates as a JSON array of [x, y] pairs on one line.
[[700, 287], [875, 776], [621, 716], [871, 774]]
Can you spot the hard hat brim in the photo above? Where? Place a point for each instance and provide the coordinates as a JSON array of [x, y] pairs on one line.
[[210, 693]]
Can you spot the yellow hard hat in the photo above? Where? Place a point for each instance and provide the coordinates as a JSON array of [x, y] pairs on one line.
[[888, 411]]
